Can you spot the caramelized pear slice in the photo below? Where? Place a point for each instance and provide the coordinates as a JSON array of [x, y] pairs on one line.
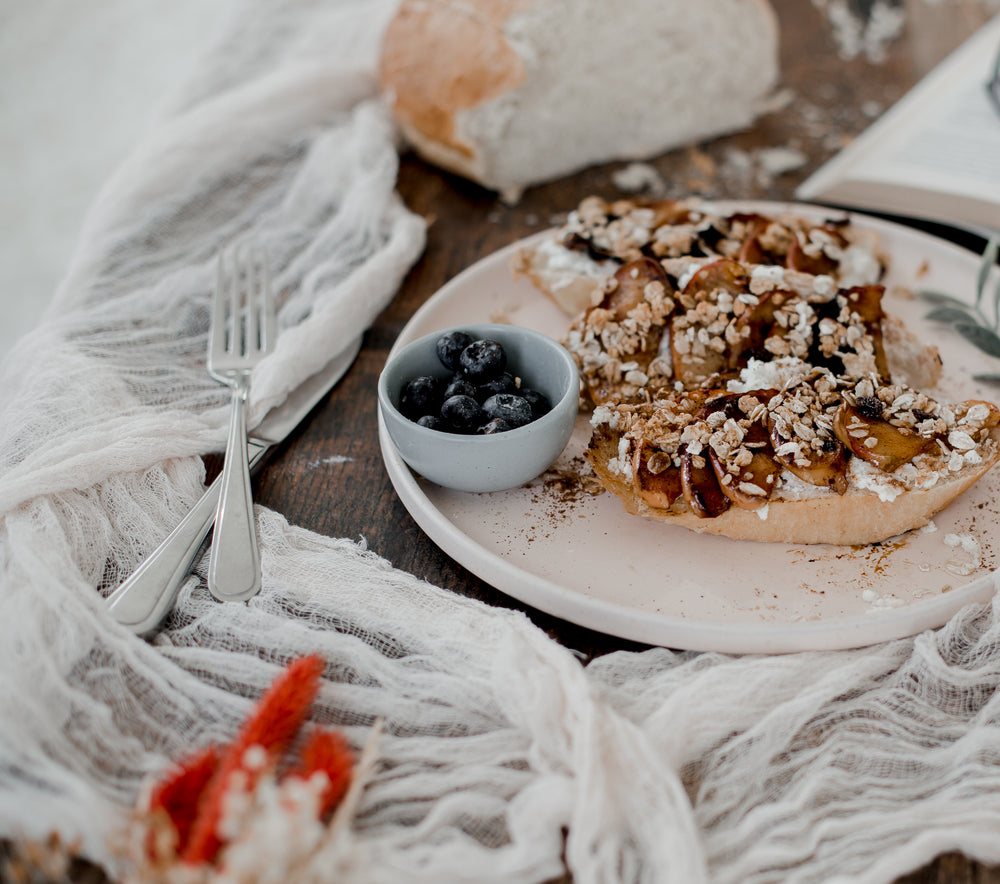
[[993, 416], [819, 263], [755, 324], [722, 275], [701, 486], [749, 485], [752, 252], [892, 446], [693, 361], [629, 292], [667, 211], [826, 468], [630, 286], [692, 368], [866, 301], [657, 479]]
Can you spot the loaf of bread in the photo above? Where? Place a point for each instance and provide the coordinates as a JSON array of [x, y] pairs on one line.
[[509, 93]]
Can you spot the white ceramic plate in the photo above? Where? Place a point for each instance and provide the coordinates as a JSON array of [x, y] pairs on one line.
[[580, 557]]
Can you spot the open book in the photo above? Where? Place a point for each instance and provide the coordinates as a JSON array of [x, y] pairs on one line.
[[935, 154]]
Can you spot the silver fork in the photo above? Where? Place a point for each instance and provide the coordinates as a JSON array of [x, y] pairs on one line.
[[244, 327]]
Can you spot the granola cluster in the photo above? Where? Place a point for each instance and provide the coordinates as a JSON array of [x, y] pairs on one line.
[[944, 438], [653, 330], [625, 230], [801, 416]]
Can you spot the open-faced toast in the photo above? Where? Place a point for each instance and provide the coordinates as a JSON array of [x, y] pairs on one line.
[[813, 462]]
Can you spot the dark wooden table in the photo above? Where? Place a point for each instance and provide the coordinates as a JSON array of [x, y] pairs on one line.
[[829, 101]]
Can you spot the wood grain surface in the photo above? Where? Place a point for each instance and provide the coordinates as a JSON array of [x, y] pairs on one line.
[[329, 477]]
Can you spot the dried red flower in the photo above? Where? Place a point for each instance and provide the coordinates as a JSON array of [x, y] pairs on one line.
[[327, 751], [276, 719], [178, 795]]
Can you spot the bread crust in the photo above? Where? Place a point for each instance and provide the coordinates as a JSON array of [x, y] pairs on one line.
[[852, 519], [572, 292], [473, 63]]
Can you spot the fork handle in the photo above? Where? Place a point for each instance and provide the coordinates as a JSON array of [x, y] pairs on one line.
[[143, 600], [234, 563]]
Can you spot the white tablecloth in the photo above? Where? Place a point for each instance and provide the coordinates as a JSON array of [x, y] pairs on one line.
[[504, 758]]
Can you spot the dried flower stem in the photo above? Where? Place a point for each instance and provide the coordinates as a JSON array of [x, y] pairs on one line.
[[278, 716]]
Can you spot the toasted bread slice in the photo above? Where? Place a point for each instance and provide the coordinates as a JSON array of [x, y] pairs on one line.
[[598, 237], [869, 505], [651, 331]]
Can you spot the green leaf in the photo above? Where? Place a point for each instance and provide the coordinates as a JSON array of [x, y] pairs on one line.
[[987, 378], [989, 259], [950, 315], [996, 307], [986, 340], [941, 298]]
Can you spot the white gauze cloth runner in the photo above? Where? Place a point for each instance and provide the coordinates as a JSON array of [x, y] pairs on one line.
[[503, 756]]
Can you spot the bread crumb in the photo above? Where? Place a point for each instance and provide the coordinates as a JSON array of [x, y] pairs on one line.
[[878, 602], [327, 461], [636, 177], [968, 545], [775, 161], [776, 101], [871, 109], [863, 32]]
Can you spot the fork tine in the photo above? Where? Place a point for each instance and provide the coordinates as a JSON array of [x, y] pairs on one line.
[[250, 343], [235, 345], [219, 311], [270, 316], [244, 316]]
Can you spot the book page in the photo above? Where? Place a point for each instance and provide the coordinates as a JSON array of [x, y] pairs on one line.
[[956, 152], [943, 138]]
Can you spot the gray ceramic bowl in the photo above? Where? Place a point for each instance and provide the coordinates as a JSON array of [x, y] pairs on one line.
[[485, 463]]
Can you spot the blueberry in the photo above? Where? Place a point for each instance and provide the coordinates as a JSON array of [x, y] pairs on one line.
[[420, 396], [450, 346], [432, 422], [539, 403], [462, 413], [482, 361], [870, 407], [459, 386], [515, 410], [496, 425], [503, 384]]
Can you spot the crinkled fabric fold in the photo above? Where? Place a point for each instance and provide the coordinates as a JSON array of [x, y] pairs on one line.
[[504, 758]]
